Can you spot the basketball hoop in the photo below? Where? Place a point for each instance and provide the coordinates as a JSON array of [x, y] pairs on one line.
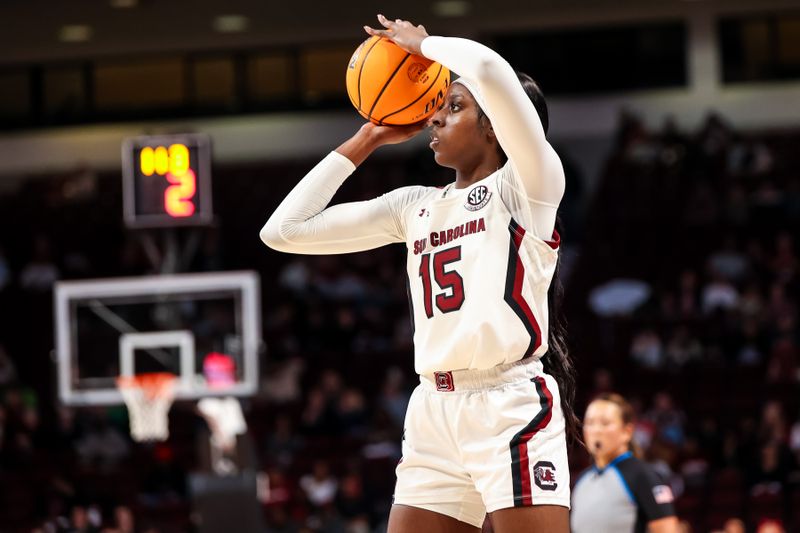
[[149, 398]]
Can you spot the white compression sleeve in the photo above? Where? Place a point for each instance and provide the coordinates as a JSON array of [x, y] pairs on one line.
[[514, 119]]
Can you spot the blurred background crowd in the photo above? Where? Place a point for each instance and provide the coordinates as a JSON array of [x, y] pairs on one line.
[[678, 124], [681, 278]]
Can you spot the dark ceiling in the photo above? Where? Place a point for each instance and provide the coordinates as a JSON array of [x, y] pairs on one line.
[[31, 27]]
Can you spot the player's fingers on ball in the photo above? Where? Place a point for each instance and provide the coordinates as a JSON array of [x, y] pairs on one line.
[[421, 27], [386, 23]]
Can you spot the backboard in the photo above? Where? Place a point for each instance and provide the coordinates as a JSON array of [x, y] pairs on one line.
[[204, 328]]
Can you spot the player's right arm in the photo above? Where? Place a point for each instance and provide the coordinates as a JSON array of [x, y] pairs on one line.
[[304, 223]]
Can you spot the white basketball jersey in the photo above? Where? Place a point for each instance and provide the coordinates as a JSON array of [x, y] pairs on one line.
[[478, 281]]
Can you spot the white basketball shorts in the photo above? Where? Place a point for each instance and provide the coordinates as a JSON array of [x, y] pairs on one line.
[[476, 441]]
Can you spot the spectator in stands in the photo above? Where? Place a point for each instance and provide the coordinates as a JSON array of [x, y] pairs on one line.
[[320, 486], [694, 464], [733, 525], [719, 294], [782, 366], [394, 396], [770, 526], [688, 294], [668, 419], [748, 345], [773, 426], [101, 444], [351, 413], [748, 158], [280, 521], [41, 272], [352, 504], [729, 261], [780, 305], [282, 443], [647, 349], [281, 384], [123, 521], [682, 349], [295, 275], [84, 519], [274, 488], [643, 430], [715, 135], [768, 475], [331, 384], [317, 417]]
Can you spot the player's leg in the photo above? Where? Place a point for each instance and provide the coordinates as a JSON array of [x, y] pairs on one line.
[[534, 519], [407, 519]]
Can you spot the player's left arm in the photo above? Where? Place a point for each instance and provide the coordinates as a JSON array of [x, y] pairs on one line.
[[513, 116]]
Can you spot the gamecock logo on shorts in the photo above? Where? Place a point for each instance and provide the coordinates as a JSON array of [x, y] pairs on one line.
[[477, 198], [444, 381], [544, 475]]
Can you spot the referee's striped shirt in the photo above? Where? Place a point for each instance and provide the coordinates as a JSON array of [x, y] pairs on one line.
[[624, 496]]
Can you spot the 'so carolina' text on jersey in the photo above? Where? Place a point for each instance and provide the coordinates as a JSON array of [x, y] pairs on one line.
[[439, 238]]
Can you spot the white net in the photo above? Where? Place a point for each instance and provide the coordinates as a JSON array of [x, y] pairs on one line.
[[149, 398]]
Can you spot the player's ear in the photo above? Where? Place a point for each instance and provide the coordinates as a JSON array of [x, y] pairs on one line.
[[487, 128]]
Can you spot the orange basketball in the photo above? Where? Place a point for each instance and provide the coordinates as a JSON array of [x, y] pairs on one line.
[[387, 85]]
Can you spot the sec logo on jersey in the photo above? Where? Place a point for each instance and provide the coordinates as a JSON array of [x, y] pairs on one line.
[[477, 198]]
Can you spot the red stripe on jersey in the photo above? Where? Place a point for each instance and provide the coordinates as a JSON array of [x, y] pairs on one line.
[[555, 241], [522, 309]]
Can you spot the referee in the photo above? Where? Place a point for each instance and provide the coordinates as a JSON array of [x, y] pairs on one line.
[[618, 493]]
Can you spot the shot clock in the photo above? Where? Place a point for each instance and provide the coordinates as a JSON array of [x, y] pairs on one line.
[[167, 181]]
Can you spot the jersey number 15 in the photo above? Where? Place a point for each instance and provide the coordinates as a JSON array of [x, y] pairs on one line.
[[445, 279]]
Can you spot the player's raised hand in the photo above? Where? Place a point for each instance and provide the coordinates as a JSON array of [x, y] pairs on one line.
[[401, 32], [382, 135], [371, 136]]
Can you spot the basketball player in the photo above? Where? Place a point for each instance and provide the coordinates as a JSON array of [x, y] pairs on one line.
[[618, 493], [485, 429]]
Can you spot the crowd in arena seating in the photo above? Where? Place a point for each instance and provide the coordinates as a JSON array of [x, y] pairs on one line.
[[695, 233], [708, 226]]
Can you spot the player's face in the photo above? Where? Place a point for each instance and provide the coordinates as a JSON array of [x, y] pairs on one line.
[[457, 138], [604, 432]]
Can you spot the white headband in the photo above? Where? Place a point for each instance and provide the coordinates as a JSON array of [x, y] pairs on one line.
[[474, 91]]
